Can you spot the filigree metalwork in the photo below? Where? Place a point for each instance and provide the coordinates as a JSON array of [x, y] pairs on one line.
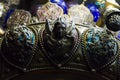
[[100, 48], [53, 41], [60, 50], [20, 43]]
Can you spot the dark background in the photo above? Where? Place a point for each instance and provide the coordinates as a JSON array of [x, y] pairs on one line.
[[27, 4]]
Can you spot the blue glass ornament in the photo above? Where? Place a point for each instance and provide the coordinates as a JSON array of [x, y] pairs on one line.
[[95, 11], [57, 1], [118, 35], [96, 16], [62, 4], [8, 14]]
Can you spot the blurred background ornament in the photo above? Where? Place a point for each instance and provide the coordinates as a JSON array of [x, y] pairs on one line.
[[49, 11], [31, 5], [13, 2], [100, 4], [111, 3], [61, 3], [2, 9], [81, 14], [1, 32], [19, 17], [112, 15], [7, 16], [6, 8], [2, 14], [34, 8], [118, 35], [95, 11], [113, 21], [71, 3], [110, 12]]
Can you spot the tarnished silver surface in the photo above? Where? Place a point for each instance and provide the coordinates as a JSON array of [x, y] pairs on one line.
[[61, 43]]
